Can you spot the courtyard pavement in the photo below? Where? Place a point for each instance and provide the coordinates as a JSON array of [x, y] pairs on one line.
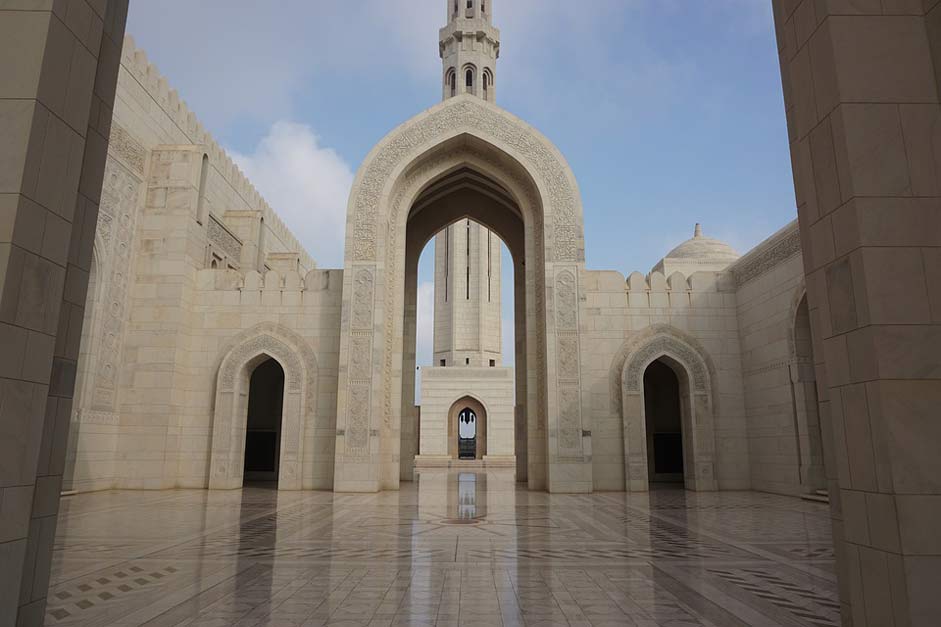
[[450, 549]]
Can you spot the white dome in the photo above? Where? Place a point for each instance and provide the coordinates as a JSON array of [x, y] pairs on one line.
[[700, 253]]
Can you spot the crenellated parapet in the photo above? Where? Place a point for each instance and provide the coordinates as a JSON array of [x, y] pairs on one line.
[[168, 99], [269, 288]]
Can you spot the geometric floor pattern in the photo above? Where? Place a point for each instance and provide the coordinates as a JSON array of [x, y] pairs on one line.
[[451, 550]]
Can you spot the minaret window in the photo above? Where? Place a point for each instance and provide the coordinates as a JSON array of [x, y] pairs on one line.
[[451, 81], [469, 79]]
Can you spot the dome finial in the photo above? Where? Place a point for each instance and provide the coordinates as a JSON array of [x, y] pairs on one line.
[[697, 232]]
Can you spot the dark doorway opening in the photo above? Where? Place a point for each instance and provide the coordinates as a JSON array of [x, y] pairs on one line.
[[263, 433], [664, 418], [467, 434]]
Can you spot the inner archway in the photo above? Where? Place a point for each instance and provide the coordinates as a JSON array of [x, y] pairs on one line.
[[664, 421], [459, 197], [263, 429]]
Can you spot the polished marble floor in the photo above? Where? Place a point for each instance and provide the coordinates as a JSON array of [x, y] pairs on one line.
[[451, 549]]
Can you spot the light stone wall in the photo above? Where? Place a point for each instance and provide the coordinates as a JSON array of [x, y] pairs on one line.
[[770, 282], [702, 308], [162, 320], [443, 387], [173, 203]]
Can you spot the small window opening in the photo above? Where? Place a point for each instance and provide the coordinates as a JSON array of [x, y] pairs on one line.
[[447, 261], [469, 79], [467, 361], [493, 363], [444, 362], [201, 198]]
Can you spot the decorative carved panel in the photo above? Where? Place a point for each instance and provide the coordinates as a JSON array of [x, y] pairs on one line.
[[363, 297], [566, 295], [117, 221], [220, 237], [762, 261], [357, 431]]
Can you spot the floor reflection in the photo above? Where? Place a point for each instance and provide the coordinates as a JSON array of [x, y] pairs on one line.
[[453, 548]]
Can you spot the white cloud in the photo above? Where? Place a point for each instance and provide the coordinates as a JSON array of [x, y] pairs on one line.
[[307, 184]]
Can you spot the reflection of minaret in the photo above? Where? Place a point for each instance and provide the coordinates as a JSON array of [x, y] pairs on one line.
[[467, 297]]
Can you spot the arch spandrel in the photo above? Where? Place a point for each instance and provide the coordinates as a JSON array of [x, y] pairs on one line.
[[477, 118]]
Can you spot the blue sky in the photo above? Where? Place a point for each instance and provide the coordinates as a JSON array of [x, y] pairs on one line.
[[669, 111]]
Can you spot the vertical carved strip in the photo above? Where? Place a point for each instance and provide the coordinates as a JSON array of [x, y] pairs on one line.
[[567, 365], [360, 365]]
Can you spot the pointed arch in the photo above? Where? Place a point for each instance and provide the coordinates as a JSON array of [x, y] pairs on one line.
[[805, 396], [461, 134], [472, 402], [696, 374], [230, 412]]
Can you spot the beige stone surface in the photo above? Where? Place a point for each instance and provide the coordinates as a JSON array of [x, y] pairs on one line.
[[820, 345]]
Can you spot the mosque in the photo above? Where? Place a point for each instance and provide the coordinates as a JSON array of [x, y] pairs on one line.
[[217, 431], [215, 351]]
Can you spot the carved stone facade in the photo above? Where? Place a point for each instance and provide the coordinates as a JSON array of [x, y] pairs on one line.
[[178, 322]]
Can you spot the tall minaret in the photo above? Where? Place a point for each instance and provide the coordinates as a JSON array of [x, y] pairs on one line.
[[467, 255], [467, 297], [470, 47]]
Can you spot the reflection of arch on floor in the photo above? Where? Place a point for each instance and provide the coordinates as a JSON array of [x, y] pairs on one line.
[[249, 350], [804, 395], [695, 373], [471, 403]]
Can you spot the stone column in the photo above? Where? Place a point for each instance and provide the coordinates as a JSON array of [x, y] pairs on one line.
[[58, 71], [864, 127]]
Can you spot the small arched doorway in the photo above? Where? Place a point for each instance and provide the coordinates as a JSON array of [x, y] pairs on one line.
[[467, 434], [666, 375], [805, 403], [265, 417], [664, 421], [467, 430]]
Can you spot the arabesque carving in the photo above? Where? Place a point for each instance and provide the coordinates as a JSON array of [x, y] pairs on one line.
[[473, 115], [664, 346]]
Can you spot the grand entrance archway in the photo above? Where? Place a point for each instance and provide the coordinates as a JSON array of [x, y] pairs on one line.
[[462, 159]]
